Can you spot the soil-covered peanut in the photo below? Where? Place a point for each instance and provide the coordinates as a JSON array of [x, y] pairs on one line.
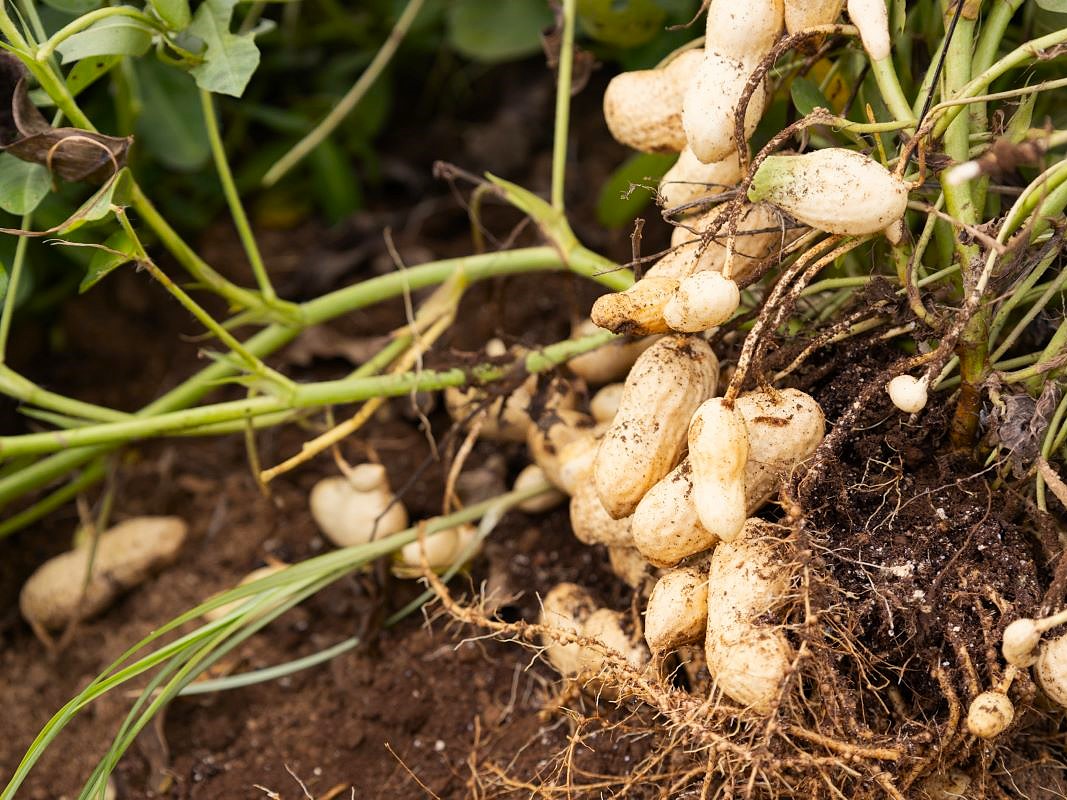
[[834, 189], [990, 714], [784, 428], [637, 311], [748, 658], [565, 609], [643, 108], [647, 437], [532, 475], [666, 527], [557, 439], [677, 611], [57, 594], [1051, 669], [629, 566]]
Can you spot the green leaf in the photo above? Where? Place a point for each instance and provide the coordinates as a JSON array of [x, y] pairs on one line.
[[23, 184], [497, 30], [87, 71], [74, 7], [229, 59], [171, 125], [807, 96], [114, 192], [627, 23], [111, 36], [173, 12], [1055, 6], [630, 188], [120, 250], [336, 186]]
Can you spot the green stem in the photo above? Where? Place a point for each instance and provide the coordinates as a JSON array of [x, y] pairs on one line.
[[44, 52], [346, 390], [885, 75], [193, 264], [14, 279], [91, 475], [233, 199], [351, 99], [563, 106], [14, 385], [256, 366], [993, 28], [1026, 52], [342, 301]]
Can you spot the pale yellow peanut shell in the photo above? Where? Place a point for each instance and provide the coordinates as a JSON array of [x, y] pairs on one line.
[[745, 30], [628, 565], [442, 550], [530, 476], [747, 658], [1051, 669], [591, 522], [125, 555], [803, 14], [551, 434], [647, 436], [349, 515], [608, 363], [759, 235], [677, 610], [643, 108], [990, 714], [690, 179], [637, 311], [565, 608], [605, 404], [718, 453], [710, 103]]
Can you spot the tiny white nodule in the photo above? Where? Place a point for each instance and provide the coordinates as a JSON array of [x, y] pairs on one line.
[[907, 393]]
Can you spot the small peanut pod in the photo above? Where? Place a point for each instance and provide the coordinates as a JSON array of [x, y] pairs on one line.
[[646, 438], [442, 549], [609, 362], [690, 179], [744, 31], [677, 611], [1021, 640], [505, 419], [1051, 669], [565, 609], [591, 522], [637, 311], [872, 19], [605, 404], [784, 428], [64, 589], [834, 189], [748, 660], [702, 301], [614, 630], [710, 104], [718, 453], [665, 526], [907, 393], [628, 565], [555, 438], [532, 475], [803, 14], [643, 108], [357, 507], [251, 577], [759, 235], [990, 714]]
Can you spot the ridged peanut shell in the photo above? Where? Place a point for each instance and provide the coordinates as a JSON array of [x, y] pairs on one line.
[[647, 437], [710, 104], [643, 108], [591, 522], [677, 610], [746, 30], [803, 14], [690, 179]]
